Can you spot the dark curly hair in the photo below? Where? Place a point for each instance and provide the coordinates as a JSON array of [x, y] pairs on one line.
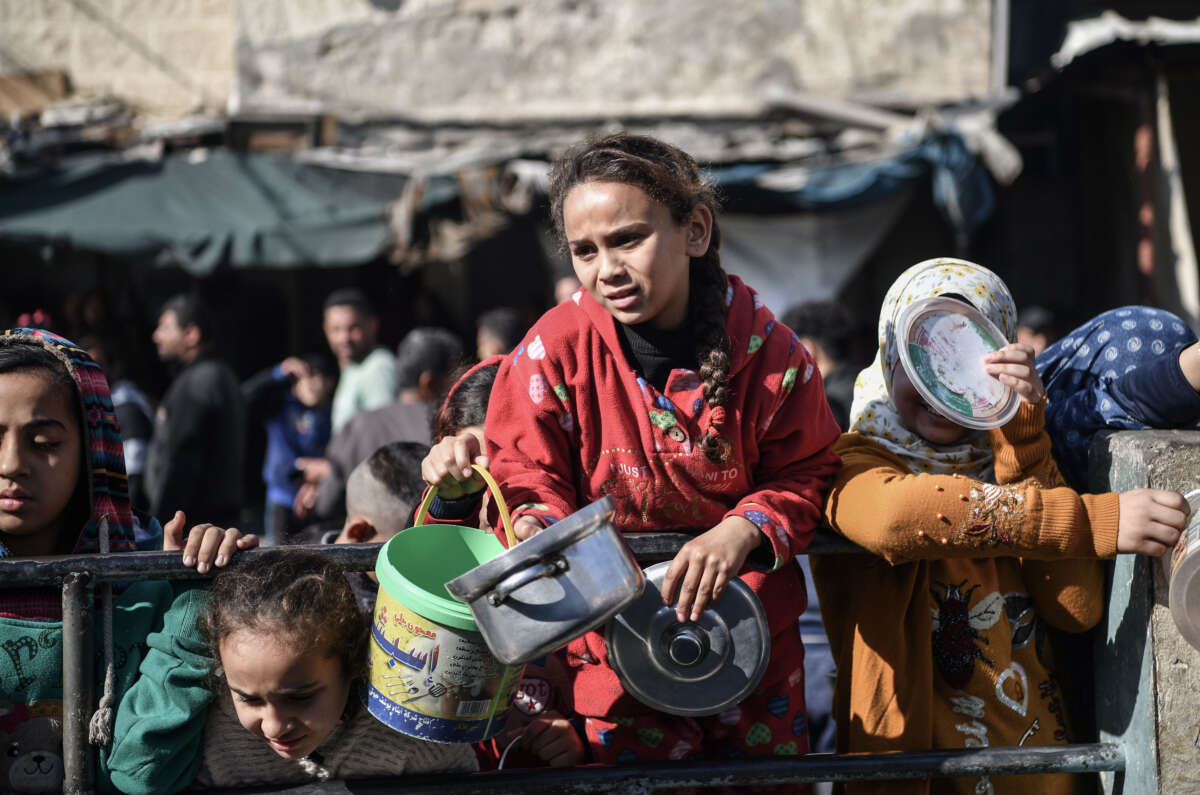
[[467, 401], [671, 177], [293, 593]]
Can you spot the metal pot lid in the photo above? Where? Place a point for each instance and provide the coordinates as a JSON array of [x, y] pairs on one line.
[[941, 343], [691, 669], [481, 579]]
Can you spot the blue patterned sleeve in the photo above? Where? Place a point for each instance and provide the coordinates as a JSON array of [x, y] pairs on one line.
[[1118, 371]]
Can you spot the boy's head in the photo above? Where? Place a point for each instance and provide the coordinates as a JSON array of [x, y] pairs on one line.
[[316, 388], [381, 492], [185, 329], [351, 325], [1035, 327], [425, 357], [43, 476], [500, 330], [825, 330]]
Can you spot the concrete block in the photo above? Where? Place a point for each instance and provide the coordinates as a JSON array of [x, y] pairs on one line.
[[1177, 671], [98, 48], [195, 46], [216, 86], [267, 20], [213, 10], [1146, 674], [17, 11], [35, 45], [496, 59], [155, 94], [154, 11], [65, 12]]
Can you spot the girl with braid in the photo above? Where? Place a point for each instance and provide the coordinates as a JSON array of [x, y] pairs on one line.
[[667, 385]]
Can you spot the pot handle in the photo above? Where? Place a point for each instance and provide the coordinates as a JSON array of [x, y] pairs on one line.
[[519, 579], [505, 518]]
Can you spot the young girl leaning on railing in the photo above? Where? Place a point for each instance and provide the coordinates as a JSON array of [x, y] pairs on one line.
[[259, 682]]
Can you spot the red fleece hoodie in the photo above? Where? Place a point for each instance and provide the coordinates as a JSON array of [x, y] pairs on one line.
[[570, 421]]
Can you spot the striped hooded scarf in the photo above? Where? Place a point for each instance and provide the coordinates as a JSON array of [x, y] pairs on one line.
[[873, 413], [108, 486]]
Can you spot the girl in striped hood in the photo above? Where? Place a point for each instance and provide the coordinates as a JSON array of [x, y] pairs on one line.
[[63, 490]]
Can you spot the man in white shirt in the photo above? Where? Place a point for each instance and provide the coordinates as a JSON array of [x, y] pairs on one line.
[[368, 371]]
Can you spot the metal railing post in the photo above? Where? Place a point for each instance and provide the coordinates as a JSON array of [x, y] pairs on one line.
[[78, 683]]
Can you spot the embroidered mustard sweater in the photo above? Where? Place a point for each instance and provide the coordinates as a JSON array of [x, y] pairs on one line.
[[939, 635]]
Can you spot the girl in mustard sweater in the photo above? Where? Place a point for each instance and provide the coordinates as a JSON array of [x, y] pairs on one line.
[[976, 544]]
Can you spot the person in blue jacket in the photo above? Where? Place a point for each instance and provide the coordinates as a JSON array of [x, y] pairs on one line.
[[294, 397]]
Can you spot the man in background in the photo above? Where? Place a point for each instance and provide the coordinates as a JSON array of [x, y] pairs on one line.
[[425, 357], [196, 453], [367, 378]]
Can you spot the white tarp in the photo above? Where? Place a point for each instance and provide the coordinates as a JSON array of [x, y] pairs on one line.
[[1085, 35], [805, 256]]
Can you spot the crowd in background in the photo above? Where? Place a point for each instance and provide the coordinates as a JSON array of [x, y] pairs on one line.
[[659, 381]]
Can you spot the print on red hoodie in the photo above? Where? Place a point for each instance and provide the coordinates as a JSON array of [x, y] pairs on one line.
[[570, 421]]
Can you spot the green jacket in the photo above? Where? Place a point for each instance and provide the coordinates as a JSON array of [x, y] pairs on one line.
[[159, 732], [31, 683]]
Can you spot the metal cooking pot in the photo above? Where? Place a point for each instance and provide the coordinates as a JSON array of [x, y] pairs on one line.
[[693, 668], [543, 592]]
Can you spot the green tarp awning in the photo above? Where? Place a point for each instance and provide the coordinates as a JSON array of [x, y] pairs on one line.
[[223, 209]]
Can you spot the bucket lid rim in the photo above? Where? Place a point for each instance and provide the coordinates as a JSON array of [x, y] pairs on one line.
[[443, 609]]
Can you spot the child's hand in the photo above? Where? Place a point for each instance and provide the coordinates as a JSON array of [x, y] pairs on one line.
[[294, 367], [1014, 365], [173, 532], [527, 527], [315, 469], [448, 465], [1150, 521], [305, 499], [706, 564], [554, 740], [206, 543]]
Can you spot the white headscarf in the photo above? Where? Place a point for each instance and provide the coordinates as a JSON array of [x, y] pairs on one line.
[[874, 414]]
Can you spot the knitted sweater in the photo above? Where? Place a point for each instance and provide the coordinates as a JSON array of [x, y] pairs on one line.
[[570, 420], [938, 640], [357, 748]]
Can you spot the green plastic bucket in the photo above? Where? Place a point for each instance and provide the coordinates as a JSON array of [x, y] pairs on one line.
[[431, 675]]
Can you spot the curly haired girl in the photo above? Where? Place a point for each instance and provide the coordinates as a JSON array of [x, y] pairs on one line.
[[262, 689]]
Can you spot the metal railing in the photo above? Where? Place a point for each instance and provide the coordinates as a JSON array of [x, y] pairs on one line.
[[78, 575]]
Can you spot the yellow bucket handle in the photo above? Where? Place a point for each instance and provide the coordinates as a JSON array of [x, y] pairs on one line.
[[505, 518]]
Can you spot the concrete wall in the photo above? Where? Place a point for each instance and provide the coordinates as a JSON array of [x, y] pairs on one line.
[[499, 59], [1147, 676], [166, 57]]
